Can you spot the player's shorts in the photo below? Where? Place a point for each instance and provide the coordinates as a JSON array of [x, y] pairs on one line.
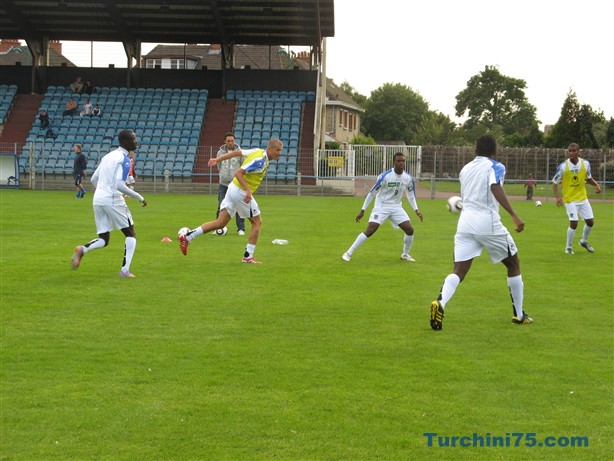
[[577, 210], [109, 217], [396, 215], [130, 179], [469, 246], [78, 179], [234, 203]]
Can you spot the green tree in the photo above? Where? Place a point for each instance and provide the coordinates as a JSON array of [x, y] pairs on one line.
[[348, 89], [437, 129], [362, 140], [577, 123], [609, 134], [492, 100], [394, 112]]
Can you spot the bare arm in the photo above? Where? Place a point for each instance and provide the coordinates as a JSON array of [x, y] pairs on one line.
[[240, 175], [501, 197], [592, 182], [215, 160], [555, 190]]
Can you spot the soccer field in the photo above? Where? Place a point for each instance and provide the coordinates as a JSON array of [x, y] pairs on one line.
[[305, 357]]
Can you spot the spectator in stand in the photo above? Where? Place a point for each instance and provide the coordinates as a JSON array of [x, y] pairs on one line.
[[50, 134], [43, 118], [89, 88], [71, 107], [96, 110], [87, 108], [77, 85]]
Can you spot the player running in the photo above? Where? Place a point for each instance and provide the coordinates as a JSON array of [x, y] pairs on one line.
[[239, 197], [479, 226]]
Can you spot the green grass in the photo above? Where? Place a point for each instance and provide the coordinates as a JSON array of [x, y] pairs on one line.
[[305, 357]]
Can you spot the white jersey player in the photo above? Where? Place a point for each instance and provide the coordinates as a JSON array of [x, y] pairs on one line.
[[110, 209], [479, 227], [388, 192]]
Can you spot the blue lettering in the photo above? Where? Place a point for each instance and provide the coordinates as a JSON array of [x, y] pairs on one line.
[[430, 436]]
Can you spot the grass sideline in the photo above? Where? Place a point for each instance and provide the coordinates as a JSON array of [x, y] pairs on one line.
[[305, 357]]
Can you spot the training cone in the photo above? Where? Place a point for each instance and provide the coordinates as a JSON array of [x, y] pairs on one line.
[[166, 239]]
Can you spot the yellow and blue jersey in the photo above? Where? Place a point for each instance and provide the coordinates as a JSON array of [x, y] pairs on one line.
[[255, 166]]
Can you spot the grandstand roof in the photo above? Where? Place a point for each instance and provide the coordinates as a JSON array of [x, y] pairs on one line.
[[254, 22]]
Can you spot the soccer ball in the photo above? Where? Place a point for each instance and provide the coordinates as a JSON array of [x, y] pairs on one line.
[[538, 203], [221, 232], [455, 204], [183, 231]]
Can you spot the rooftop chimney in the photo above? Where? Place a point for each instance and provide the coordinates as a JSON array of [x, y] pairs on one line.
[[7, 43]]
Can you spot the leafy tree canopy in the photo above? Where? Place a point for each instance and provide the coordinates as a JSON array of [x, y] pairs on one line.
[[356, 96], [437, 129], [362, 140], [394, 112], [578, 123], [492, 99]]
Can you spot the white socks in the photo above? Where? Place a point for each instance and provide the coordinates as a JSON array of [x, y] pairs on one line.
[[585, 233], [449, 287], [570, 235], [517, 292], [95, 244], [129, 248], [194, 233], [362, 238], [250, 249], [408, 240]]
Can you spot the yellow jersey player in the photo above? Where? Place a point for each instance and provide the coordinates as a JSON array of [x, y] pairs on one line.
[[574, 173], [239, 198]]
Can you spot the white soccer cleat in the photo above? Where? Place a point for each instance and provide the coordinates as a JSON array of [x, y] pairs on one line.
[[407, 258], [346, 257]]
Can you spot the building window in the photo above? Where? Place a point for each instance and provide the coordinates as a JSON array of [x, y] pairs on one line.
[[152, 63]]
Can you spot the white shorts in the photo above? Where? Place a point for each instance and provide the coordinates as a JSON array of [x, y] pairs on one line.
[[581, 209], [112, 217], [130, 180], [396, 215], [469, 246], [234, 203]]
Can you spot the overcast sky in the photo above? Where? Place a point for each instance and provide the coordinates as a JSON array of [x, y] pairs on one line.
[[436, 46]]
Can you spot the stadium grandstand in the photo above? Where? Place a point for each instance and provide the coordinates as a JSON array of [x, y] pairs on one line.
[[238, 77]]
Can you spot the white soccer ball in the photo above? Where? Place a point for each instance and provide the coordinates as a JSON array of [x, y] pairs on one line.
[[455, 204], [538, 203], [183, 231], [221, 232]]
